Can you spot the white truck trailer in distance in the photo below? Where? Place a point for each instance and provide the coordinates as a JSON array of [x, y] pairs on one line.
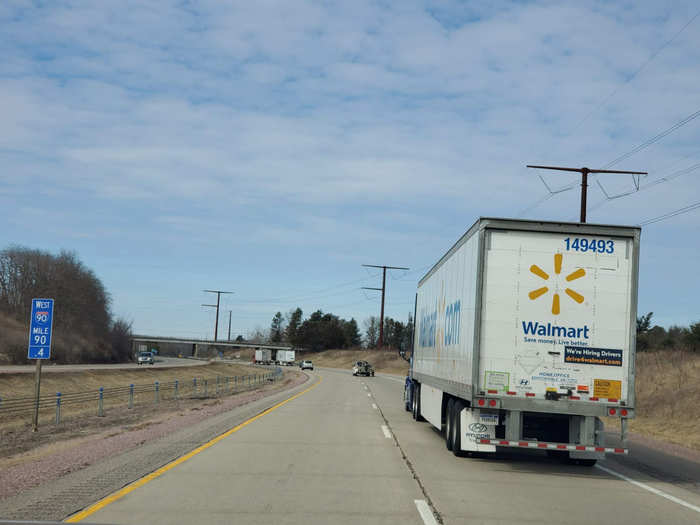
[[525, 337], [263, 357], [285, 357]]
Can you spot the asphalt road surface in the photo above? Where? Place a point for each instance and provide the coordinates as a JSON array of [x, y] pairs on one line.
[[346, 451], [161, 362]]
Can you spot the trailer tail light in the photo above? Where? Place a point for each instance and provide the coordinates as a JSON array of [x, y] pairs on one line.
[[623, 412], [492, 391], [492, 403], [511, 393], [529, 394], [481, 402], [612, 411]]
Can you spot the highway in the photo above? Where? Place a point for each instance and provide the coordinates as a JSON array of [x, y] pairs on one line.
[[345, 451], [161, 362]]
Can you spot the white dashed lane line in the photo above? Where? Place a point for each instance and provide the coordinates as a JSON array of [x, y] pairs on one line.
[[374, 406], [387, 433], [651, 489], [425, 513]]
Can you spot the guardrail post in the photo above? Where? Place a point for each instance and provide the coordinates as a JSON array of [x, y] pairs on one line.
[[177, 383], [206, 388], [235, 382], [194, 385], [100, 403], [131, 396], [157, 392], [58, 407], [217, 385], [228, 389]]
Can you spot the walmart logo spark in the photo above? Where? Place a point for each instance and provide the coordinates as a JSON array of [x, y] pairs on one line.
[[539, 272]]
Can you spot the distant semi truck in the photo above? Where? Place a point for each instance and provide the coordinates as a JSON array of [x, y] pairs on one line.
[[285, 357], [525, 337], [263, 357]]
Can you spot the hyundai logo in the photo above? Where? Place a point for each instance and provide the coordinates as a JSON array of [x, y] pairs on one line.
[[478, 428]]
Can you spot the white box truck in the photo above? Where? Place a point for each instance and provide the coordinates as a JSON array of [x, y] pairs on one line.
[[285, 357], [525, 337], [263, 357]]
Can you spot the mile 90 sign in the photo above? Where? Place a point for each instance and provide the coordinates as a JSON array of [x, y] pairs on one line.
[[40, 329]]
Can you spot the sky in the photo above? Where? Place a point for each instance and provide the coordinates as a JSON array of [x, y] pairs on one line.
[[271, 148]]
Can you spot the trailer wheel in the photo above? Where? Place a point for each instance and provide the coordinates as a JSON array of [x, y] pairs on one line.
[[416, 403], [448, 425], [457, 408]]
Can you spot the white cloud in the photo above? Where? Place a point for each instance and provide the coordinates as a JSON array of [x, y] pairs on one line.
[[329, 126]]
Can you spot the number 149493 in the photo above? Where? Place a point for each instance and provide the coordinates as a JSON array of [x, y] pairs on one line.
[[589, 245]]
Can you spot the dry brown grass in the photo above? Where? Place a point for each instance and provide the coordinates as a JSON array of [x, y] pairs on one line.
[[387, 361], [668, 397], [22, 385]]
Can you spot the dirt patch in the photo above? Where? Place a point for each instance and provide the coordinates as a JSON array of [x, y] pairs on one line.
[[386, 361], [54, 452]]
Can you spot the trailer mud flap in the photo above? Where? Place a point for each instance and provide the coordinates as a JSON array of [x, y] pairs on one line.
[[474, 431]]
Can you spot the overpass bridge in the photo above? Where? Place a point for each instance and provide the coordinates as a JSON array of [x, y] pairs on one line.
[[196, 347]]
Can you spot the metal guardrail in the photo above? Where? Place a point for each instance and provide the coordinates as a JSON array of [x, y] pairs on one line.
[[197, 388]]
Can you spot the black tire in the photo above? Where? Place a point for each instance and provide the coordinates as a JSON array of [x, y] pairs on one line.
[[407, 398], [449, 425], [457, 428], [416, 402]]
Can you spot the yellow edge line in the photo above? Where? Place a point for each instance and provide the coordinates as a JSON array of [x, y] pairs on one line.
[[162, 470]]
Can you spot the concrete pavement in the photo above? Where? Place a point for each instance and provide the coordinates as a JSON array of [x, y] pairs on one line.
[[346, 451]]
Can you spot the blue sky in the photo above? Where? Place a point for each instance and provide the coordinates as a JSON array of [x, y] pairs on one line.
[[271, 148]]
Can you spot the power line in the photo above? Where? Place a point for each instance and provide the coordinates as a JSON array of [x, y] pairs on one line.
[[601, 104], [632, 77], [643, 187], [653, 140], [643, 145], [670, 214], [383, 290], [218, 300], [584, 180]]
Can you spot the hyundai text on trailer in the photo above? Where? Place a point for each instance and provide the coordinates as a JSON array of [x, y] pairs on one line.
[[525, 337]]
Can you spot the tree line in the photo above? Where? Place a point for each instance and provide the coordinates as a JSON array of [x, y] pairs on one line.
[[84, 327], [650, 338], [324, 331]]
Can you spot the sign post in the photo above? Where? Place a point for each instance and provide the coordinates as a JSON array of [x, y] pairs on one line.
[[40, 328]]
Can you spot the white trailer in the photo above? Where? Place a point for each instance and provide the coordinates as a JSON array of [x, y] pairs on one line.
[[525, 337], [285, 357], [263, 357]]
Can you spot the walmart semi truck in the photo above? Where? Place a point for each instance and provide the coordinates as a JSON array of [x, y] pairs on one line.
[[525, 338]]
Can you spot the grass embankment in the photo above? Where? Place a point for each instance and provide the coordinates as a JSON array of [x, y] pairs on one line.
[[668, 397], [387, 361], [21, 385]]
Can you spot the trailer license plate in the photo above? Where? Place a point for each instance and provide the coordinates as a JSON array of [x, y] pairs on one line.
[[488, 419]]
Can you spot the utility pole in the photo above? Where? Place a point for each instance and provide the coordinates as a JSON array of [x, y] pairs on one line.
[[383, 289], [229, 325], [584, 180], [218, 301]]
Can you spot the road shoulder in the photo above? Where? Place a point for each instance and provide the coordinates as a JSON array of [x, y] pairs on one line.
[[84, 482]]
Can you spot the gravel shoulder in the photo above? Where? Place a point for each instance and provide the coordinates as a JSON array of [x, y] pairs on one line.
[[58, 479]]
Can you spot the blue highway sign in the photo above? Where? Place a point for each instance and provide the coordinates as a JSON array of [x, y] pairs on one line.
[[40, 329]]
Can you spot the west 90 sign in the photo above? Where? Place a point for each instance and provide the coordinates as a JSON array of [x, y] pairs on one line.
[[40, 329]]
